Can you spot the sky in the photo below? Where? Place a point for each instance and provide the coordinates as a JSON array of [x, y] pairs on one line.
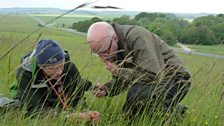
[[172, 6]]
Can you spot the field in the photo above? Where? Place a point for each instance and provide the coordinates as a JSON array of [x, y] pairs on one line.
[[215, 49], [205, 98], [68, 20], [65, 21]]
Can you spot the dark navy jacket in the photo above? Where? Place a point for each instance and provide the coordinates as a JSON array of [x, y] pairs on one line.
[[35, 91]]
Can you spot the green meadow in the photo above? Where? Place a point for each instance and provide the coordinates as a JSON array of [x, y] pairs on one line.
[[214, 49], [66, 20], [69, 19], [205, 98]]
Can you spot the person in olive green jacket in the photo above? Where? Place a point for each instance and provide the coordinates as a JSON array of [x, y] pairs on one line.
[[142, 61], [48, 81]]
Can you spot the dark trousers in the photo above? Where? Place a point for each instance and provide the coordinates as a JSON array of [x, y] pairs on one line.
[[153, 97]]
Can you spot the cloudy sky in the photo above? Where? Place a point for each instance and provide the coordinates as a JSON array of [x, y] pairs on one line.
[[173, 6]]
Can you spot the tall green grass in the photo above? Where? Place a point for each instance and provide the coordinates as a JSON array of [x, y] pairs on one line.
[[205, 101]]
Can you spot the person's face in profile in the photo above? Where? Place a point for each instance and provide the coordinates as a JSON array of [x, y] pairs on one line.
[[54, 71], [105, 47]]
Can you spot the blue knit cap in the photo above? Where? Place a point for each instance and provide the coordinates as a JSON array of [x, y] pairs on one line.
[[49, 52]]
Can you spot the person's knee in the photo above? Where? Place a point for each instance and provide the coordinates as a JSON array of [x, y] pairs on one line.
[[137, 99], [188, 85], [184, 88]]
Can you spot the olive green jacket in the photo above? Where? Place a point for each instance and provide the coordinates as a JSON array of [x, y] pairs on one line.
[[142, 58]]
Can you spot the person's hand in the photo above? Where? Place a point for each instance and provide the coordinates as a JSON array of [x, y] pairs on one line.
[[94, 115], [85, 116], [100, 90], [111, 67]]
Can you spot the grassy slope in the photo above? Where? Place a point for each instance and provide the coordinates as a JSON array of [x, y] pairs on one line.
[[203, 97], [207, 87], [216, 49], [68, 20]]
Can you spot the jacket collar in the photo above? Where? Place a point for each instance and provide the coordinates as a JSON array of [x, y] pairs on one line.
[[121, 41], [120, 35]]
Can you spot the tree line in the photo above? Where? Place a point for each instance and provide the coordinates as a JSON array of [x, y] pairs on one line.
[[206, 30]]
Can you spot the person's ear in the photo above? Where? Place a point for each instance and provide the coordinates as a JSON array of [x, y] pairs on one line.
[[115, 38]]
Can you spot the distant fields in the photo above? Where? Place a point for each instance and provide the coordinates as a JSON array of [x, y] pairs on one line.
[[66, 20], [69, 19], [214, 49], [205, 100]]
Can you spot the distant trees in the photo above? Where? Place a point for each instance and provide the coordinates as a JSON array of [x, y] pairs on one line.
[[125, 20], [149, 16], [40, 25], [198, 34], [219, 32], [167, 26], [207, 30], [83, 26]]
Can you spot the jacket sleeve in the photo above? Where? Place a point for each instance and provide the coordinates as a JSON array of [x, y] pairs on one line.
[[29, 97], [119, 83], [76, 86], [128, 77]]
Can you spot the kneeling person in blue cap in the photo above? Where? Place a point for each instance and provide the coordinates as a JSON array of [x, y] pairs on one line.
[[48, 79]]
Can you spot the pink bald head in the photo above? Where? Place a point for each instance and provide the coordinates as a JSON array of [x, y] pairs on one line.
[[98, 34]]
